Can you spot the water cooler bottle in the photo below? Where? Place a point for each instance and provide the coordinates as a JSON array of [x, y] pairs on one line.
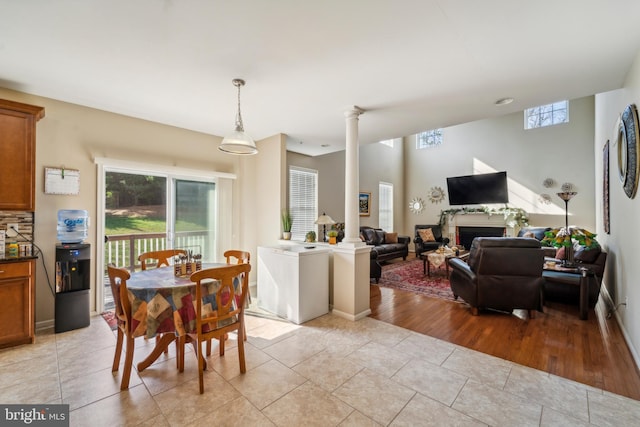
[[73, 264]]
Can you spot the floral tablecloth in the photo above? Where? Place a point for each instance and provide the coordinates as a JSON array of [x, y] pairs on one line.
[[162, 302]]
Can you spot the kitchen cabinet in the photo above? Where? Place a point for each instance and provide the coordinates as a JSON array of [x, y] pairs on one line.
[[18, 149], [293, 281], [17, 293]]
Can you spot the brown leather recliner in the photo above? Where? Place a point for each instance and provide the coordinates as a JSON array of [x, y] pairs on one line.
[[502, 273]]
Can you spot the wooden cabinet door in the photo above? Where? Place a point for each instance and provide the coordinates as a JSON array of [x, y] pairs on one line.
[[18, 303], [17, 162]]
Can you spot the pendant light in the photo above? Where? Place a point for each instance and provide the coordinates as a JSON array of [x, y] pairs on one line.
[[238, 142]]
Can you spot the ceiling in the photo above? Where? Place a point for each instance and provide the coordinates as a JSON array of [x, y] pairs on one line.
[[411, 65]]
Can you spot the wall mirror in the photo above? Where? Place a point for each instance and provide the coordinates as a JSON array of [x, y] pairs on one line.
[[628, 166], [416, 205]]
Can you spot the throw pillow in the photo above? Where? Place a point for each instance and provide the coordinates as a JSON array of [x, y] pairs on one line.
[[380, 239], [391, 238], [426, 234], [560, 253], [370, 237], [588, 256]]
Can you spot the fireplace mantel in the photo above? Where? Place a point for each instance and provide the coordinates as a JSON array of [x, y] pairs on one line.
[[478, 219]]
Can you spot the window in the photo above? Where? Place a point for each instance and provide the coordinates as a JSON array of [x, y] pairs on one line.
[[385, 206], [546, 115], [429, 138], [303, 201], [387, 142]]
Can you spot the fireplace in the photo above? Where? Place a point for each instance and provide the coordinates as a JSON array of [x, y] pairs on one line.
[[479, 223], [465, 235]]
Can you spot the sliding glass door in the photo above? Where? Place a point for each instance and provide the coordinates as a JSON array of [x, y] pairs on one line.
[[152, 211]]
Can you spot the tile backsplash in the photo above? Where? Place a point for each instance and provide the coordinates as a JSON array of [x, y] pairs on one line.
[[24, 219]]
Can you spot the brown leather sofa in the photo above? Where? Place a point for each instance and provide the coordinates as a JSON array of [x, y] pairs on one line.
[[501, 273], [382, 251]]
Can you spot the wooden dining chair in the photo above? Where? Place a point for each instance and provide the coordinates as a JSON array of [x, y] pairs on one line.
[[235, 256], [227, 316], [118, 280], [162, 257]]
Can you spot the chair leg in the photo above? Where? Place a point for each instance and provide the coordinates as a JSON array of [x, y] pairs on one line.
[[180, 342], [200, 367], [222, 340], [208, 347], [474, 311], [532, 314], [116, 356], [243, 366], [128, 361]]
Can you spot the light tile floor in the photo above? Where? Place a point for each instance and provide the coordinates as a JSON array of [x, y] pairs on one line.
[[327, 372]]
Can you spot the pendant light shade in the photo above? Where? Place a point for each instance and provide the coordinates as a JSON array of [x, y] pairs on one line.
[[238, 142]]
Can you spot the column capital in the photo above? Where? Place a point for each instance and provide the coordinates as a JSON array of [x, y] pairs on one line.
[[353, 112]]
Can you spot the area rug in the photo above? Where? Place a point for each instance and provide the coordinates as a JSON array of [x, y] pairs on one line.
[[110, 318], [409, 276]]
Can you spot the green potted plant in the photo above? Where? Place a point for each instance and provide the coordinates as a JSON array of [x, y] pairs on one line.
[[333, 236], [310, 236], [287, 220]]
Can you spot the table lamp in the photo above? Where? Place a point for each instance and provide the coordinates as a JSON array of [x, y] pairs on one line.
[[324, 220]]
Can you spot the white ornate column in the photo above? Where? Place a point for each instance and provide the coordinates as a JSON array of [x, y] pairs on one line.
[[351, 298], [352, 178]]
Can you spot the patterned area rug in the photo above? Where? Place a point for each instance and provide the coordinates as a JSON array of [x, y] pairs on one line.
[[110, 318], [409, 276]]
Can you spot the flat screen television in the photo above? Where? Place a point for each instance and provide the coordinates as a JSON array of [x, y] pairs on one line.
[[478, 189]]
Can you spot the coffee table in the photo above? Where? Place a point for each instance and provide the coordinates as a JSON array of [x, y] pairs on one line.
[[436, 259]]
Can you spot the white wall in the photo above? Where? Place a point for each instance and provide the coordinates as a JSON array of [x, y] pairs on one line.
[[623, 269], [562, 152]]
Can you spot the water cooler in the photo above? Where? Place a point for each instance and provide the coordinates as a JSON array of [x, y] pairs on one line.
[[73, 264]]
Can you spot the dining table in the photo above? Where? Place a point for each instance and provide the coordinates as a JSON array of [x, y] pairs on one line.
[[163, 303]]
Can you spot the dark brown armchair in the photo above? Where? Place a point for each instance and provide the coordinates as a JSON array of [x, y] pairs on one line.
[[503, 273], [426, 246]]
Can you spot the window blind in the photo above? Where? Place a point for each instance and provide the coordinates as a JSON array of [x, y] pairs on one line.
[[385, 206], [303, 201]]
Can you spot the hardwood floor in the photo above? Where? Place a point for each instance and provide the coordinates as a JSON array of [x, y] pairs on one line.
[[591, 352]]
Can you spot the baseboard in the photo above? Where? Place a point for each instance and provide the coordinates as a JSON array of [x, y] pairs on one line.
[[611, 306], [44, 325], [352, 317]]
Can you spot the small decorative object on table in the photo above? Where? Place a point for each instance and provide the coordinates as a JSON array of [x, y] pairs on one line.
[[185, 265], [333, 236]]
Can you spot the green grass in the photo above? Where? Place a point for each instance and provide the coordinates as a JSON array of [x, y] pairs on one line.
[[116, 224]]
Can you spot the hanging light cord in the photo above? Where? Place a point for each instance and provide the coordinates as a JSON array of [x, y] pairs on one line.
[[239, 125]]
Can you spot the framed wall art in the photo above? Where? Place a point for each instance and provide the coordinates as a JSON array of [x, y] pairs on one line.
[[364, 204]]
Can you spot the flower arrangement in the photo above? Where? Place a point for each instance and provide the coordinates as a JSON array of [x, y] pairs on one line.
[[558, 237]]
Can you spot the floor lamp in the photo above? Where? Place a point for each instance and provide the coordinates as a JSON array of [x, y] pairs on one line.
[[566, 196], [324, 220]]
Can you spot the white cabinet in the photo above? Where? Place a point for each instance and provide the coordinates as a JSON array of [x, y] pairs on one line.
[[293, 282]]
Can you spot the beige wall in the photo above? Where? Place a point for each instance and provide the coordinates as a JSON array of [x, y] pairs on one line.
[[562, 152], [623, 269], [72, 136]]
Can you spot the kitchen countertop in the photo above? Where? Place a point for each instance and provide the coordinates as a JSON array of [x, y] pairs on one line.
[[7, 259]]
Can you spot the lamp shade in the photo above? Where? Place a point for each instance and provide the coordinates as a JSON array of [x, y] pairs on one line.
[[238, 143], [325, 220]]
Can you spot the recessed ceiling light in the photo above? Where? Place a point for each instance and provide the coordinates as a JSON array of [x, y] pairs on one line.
[[504, 101]]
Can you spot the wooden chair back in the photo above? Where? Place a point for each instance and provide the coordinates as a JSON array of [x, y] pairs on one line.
[[162, 257], [118, 280], [241, 257]]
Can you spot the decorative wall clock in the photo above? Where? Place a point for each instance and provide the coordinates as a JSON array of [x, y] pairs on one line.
[[628, 167], [416, 205], [436, 194]]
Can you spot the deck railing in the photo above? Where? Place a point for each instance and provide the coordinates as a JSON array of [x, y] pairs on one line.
[[123, 250]]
